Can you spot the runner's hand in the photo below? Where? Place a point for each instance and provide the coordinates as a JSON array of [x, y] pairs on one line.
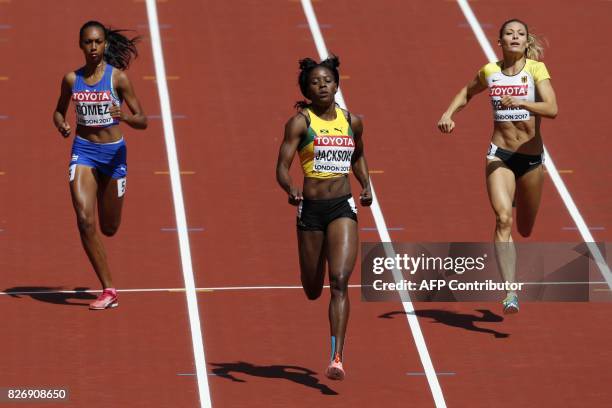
[[115, 112], [366, 197], [446, 124], [64, 129], [295, 195], [510, 102]]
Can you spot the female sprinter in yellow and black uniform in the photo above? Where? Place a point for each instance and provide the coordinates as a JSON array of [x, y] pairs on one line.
[[328, 141], [98, 165], [521, 94]]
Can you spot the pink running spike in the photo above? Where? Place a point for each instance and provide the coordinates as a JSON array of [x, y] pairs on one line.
[[335, 371], [108, 299]]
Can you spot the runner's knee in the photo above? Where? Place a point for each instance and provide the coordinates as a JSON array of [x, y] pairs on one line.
[[312, 276], [525, 230], [109, 229], [312, 282], [338, 283], [503, 221], [86, 223], [313, 293]]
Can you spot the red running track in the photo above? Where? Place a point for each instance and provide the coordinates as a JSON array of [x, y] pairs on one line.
[[235, 67]]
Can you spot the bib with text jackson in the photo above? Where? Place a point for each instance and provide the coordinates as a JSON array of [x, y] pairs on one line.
[[328, 146]]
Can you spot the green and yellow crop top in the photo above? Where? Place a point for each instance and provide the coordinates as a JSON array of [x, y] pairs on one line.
[[326, 149]]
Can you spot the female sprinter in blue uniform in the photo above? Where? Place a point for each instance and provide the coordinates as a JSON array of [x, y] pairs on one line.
[[98, 167], [521, 94], [328, 141]]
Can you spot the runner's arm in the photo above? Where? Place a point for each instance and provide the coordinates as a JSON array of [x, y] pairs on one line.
[[59, 115], [474, 87], [546, 105], [295, 127], [137, 119], [359, 163]]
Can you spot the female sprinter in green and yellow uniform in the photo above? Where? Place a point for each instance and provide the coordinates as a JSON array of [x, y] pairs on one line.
[[329, 143]]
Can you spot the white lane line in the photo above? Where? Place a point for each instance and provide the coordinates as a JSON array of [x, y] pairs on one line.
[[151, 290], [416, 373], [383, 232], [550, 165], [233, 288], [179, 207]]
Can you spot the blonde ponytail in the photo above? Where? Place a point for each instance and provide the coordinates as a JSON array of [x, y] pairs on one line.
[[535, 48]]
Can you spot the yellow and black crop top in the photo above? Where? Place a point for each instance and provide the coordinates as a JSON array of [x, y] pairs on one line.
[[326, 149], [521, 86]]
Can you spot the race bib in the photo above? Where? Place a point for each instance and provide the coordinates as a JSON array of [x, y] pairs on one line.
[[72, 172], [121, 186], [332, 154], [93, 108], [502, 114]]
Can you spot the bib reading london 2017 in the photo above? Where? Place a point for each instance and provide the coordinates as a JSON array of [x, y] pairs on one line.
[[332, 154], [93, 108], [503, 114]]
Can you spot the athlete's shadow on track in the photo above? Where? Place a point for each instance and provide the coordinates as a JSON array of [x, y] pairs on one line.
[[461, 320], [296, 374], [58, 298]]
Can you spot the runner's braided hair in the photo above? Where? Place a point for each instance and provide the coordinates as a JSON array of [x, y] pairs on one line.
[[535, 49], [306, 66], [120, 49]]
